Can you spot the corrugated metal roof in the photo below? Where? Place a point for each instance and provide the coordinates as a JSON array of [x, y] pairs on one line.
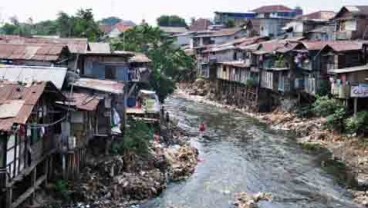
[[348, 69], [29, 74], [174, 29], [108, 86], [83, 101], [37, 52], [340, 46], [99, 48], [240, 64], [10, 92], [75, 45]]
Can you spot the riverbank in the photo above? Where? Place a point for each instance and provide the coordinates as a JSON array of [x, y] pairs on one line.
[[310, 133], [123, 180]]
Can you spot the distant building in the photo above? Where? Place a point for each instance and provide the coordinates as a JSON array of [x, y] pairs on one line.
[[352, 23], [316, 25], [173, 30], [222, 18], [277, 11], [270, 27], [200, 25], [114, 31]]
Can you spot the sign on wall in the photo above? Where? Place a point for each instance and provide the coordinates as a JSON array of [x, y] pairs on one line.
[[359, 91]]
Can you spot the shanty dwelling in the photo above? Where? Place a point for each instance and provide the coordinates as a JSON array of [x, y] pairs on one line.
[[236, 83], [304, 24], [85, 109], [352, 23], [112, 115], [348, 76], [48, 51], [28, 124], [112, 66], [226, 52], [34, 54]]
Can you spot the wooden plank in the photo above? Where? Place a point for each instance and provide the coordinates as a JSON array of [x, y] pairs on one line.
[[28, 193]]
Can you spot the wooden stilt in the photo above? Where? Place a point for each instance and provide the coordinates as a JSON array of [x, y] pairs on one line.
[[9, 197]]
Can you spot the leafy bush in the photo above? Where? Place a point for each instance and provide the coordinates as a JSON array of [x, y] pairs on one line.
[[62, 189], [325, 106], [136, 139], [358, 124], [251, 83], [335, 121], [304, 111], [324, 88]]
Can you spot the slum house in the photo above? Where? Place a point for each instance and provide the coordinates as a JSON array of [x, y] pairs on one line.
[[34, 54], [351, 23], [83, 125], [238, 18], [276, 66], [271, 26], [171, 31], [76, 46], [315, 59], [28, 125], [228, 51], [277, 11], [310, 75], [202, 43], [347, 69], [235, 78], [302, 25], [105, 65], [200, 24], [111, 116]]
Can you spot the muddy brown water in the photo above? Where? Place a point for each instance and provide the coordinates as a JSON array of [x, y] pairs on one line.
[[242, 155]]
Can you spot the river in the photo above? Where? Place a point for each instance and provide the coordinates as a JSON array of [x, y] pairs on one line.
[[242, 155]]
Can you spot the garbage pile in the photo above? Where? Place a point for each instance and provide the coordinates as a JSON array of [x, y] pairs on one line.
[[287, 121], [139, 186], [182, 160], [244, 200]]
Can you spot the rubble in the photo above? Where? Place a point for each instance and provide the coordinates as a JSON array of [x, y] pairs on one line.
[[244, 200], [182, 161], [116, 181]]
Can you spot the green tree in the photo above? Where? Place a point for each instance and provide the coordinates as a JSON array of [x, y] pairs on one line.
[[171, 21], [10, 29], [110, 20], [170, 63], [48, 27], [80, 25]]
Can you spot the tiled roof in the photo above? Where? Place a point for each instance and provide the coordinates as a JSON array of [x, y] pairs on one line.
[[200, 24], [29, 95], [37, 52], [272, 8]]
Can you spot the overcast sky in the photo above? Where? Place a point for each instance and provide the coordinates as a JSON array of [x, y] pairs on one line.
[[149, 10]]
